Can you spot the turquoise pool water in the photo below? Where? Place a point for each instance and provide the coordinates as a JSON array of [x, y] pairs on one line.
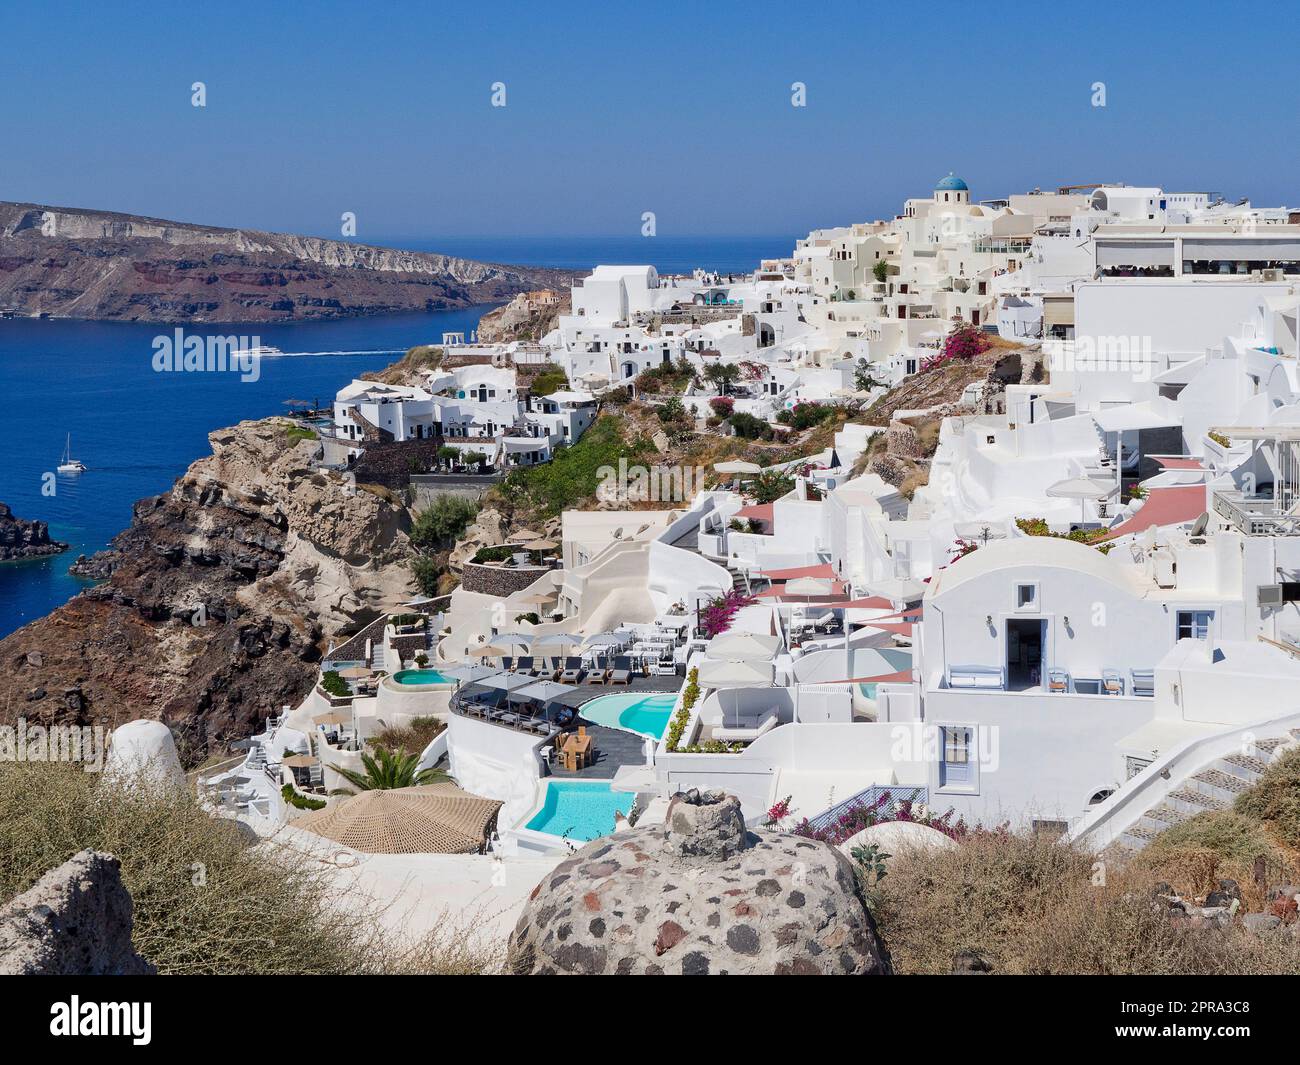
[[579, 809], [632, 712], [421, 676]]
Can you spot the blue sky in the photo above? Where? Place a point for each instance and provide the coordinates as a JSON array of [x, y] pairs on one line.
[[615, 109]]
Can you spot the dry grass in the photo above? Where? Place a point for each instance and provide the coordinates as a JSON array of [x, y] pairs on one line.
[[1274, 801], [204, 900], [412, 738], [1033, 906]]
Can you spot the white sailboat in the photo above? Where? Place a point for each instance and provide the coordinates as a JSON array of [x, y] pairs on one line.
[[68, 464]]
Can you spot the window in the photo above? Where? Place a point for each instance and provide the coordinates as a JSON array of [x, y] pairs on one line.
[[956, 771], [1194, 624], [1026, 596]]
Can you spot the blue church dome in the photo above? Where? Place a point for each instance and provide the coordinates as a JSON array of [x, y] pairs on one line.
[[951, 184]]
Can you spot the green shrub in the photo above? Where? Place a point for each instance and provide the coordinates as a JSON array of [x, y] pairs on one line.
[[748, 427], [442, 522], [1274, 799], [291, 795], [551, 379], [334, 684], [1230, 835], [572, 475], [427, 574], [769, 486]]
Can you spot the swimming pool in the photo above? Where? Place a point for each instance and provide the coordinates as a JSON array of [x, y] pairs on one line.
[[639, 712], [421, 676], [581, 810]]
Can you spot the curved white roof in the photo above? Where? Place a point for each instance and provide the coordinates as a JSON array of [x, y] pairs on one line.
[[1044, 552]]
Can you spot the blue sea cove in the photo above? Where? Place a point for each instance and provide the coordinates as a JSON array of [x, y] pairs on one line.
[[138, 429]]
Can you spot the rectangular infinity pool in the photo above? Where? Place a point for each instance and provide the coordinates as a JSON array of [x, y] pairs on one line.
[[579, 809], [643, 713]]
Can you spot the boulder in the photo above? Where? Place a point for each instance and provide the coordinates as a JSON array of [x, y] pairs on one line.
[[74, 921], [899, 837], [695, 895]]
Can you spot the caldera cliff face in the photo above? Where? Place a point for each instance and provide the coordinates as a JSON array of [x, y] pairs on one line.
[[219, 599]]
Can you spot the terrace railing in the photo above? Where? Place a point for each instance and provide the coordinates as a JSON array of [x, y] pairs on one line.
[[872, 797]]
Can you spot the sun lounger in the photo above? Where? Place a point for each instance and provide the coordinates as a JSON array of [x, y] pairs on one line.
[[622, 671], [572, 671], [599, 672], [525, 665], [746, 735], [508, 664]]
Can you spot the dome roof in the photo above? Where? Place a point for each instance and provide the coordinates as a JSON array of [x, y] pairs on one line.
[[951, 184]]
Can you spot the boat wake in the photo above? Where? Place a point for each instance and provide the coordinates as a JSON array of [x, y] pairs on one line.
[[304, 354]]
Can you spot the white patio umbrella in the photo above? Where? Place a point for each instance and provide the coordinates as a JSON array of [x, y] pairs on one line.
[[902, 589], [468, 674], [1082, 489], [513, 639], [737, 467], [543, 691], [980, 530], [738, 646], [747, 674], [506, 681], [605, 639], [809, 586]]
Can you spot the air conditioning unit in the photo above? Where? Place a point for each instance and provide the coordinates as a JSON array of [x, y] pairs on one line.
[[1270, 595]]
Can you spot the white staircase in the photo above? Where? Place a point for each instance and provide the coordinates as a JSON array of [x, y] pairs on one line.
[[1188, 781]]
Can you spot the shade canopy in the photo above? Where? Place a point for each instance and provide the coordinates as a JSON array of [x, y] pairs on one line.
[[355, 672], [299, 761], [525, 534], [737, 646], [746, 674], [333, 718], [735, 466], [538, 598], [490, 649], [433, 819], [541, 545], [513, 639]]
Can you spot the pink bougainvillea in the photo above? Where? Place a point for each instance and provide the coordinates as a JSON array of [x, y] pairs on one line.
[[716, 618], [961, 345], [722, 406], [864, 815]]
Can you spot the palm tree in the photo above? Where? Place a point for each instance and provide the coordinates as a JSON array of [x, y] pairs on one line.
[[389, 769]]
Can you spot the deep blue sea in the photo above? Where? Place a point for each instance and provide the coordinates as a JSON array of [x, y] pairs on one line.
[[137, 430]]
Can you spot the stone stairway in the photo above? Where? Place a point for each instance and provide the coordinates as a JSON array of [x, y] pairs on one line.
[[1213, 787], [377, 656]]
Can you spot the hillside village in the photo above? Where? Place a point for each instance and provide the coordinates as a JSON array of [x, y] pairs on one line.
[[978, 522]]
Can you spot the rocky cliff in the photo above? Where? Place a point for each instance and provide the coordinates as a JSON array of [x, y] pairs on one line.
[[25, 539], [219, 597], [522, 319], [70, 262]]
